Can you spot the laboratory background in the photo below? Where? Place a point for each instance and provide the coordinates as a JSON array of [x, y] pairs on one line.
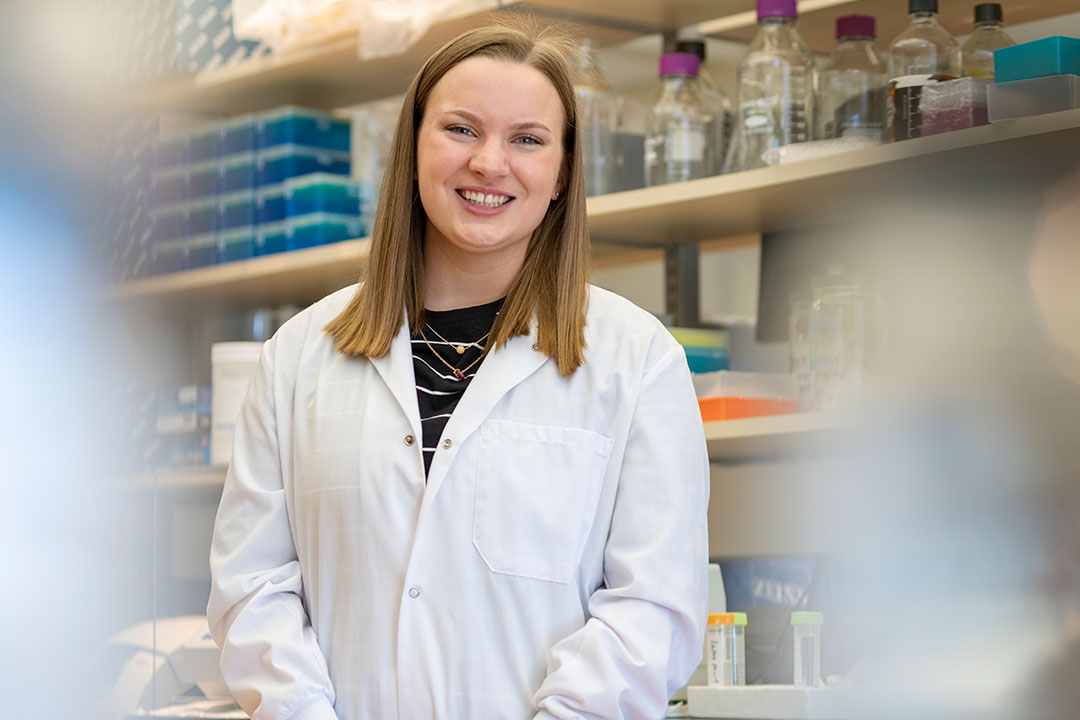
[[860, 218]]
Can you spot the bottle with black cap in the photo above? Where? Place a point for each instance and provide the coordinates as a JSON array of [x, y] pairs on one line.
[[716, 99], [989, 35], [922, 54]]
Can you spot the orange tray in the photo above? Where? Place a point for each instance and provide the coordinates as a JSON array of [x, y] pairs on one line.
[[729, 408]]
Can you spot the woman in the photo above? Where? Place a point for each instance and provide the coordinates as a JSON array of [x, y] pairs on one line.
[[473, 487]]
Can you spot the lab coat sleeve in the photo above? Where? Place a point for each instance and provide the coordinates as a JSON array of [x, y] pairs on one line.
[[270, 658], [646, 625]]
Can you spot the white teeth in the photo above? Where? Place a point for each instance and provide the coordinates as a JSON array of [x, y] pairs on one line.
[[487, 200]]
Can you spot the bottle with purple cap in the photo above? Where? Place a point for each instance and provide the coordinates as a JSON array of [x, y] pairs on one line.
[[677, 146], [853, 84], [777, 89]]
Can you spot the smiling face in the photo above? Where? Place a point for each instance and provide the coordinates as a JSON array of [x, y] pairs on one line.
[[489, 151]]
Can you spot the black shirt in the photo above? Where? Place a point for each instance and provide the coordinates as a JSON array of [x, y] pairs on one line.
[[438, 387]]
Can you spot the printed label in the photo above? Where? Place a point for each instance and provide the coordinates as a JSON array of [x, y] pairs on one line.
[[686, 145], [904, 115]]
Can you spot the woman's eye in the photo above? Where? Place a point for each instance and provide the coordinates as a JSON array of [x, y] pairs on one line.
[[529, 140], [459, 130]]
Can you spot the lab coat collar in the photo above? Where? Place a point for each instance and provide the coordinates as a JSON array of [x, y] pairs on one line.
[[396, 369]]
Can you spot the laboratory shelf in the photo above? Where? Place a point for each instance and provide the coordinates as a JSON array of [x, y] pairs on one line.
[[774, 702], [333, 75], [202, 477], [1027, 152], [281, 278], [775, 435]]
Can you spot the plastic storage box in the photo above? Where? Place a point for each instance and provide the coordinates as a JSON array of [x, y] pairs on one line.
[[282, 162], [320, 229], [236, 172], [1056, 55], [167, 224], [200, 218], [301, 126], [167, 187], [169, 257], [236, 136], [270, 204], [726, 395], [322, 192], [270, 238], [236, 244], [953, 105], [236, 210], [201, 145], [1036, 96], [201, 251], [201, 180]]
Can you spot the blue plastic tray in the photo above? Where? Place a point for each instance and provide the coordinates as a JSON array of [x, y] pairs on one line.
[[200, 218], [201, 251], [280, 163], [1057, 55], [301, 126], [270, 239], [235, 173], [236, 136], [270, 204], [320, 229], [322, 192], [201, 181], [236, 210], [236, 244]]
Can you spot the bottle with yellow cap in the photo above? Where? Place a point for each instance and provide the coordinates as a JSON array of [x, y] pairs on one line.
[[726, 642]]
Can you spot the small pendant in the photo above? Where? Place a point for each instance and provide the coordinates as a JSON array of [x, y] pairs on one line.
[[458, 374], [460, 349]]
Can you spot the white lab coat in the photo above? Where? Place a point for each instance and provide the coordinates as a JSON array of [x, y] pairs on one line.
[[553, 565]]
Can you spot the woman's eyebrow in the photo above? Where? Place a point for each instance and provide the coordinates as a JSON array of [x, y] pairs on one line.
[[473, 118]]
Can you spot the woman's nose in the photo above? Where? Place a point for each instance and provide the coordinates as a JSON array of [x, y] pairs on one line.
[[489, 159]]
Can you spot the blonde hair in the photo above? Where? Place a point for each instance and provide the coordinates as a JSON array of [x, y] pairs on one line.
[[553, 279]]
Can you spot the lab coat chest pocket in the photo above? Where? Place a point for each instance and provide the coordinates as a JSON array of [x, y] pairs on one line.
[[537, 487]]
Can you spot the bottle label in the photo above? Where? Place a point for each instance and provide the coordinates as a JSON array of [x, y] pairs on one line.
[[904, 115], [686, 145]]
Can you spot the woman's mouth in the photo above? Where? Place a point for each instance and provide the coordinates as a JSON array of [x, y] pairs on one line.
[[488, 200]]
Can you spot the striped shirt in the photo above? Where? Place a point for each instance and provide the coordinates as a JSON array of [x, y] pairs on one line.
[[438, 389]]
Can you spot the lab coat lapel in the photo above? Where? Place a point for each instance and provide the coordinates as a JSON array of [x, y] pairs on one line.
[[396, 369], [499, 373]]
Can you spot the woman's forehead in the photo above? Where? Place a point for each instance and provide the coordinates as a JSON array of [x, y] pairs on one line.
[[496, 90]]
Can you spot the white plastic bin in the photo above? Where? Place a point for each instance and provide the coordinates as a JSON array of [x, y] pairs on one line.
[[233, 367]]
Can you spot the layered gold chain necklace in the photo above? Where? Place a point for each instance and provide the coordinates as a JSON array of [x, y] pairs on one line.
[[459, 373]]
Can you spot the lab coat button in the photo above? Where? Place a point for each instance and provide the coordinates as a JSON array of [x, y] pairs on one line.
[[447, 442], [409, 439], [414, 592]]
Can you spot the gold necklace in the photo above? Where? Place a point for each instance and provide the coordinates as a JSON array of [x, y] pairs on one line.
[[458, 373], [460, 349]]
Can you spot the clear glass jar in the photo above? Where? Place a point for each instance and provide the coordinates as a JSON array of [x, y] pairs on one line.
[[718, 104], [848, 340], [853, 84], [799, 349], [677, 128], [977, 54], [598, 118], [777, 89], [923, 53]]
